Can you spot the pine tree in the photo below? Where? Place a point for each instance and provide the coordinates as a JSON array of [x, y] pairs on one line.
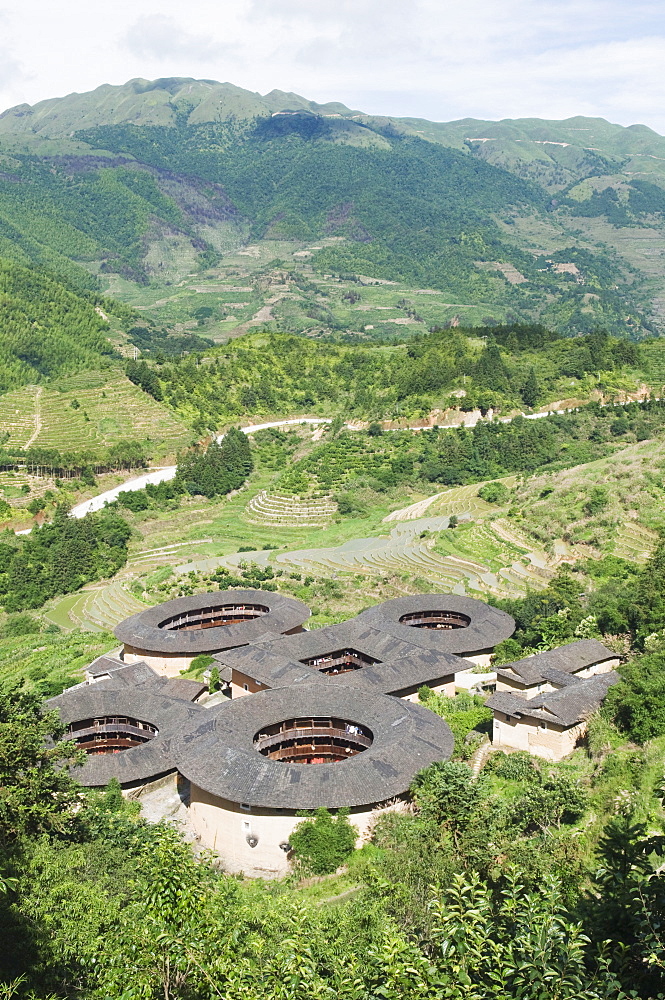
[[531, 390]]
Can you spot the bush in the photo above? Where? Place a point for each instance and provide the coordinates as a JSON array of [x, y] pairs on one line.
[[20, 625], [198, 665], [494, 493], [515, 766], [637, 703], [323, 842], [446, 793]]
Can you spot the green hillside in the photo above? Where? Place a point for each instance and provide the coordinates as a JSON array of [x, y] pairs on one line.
[[153, 181], [47, 329]]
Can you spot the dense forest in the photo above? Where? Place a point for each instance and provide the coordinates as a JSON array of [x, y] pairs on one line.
[[512, 367], [352, 461], [410, 210], [60, 557], [47, 328]]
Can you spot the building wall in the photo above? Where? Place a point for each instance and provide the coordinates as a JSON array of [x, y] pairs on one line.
[[445, 685], [224, 827], [242, 684], [162, 663], [483, 657], [553, 743]]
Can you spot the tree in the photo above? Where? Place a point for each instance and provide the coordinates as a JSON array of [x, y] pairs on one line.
[[323, 842], [637, 703], [531, 390], [37, 794], [489, 371], [445, 793], [494, 493], [218, 469]]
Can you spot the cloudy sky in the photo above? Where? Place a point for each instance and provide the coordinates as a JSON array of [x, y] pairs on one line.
[[437, 59]]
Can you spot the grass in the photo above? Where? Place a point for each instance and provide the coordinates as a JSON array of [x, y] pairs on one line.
[[110, 408], [47, 663]]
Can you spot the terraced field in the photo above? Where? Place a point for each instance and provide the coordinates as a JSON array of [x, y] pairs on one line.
[[11, 484], [95, 609], [90, 410], [17, 414], [409, 549], [287, 511], [634, 542]]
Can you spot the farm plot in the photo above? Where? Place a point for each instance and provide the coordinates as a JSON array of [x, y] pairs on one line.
[[97, 409], [96, 609], [634, 542], [287, 511], [456, 500], [408, 549], [17, 415]]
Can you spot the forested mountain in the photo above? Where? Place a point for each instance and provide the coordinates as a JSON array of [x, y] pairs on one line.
[[46, 329], [509, 212]]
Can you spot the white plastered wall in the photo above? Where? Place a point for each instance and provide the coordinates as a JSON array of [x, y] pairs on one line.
[[553, 742], [224, 827], [162, 663]]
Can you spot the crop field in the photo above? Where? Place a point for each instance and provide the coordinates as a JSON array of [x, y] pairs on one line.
[[404, 544], [275, 509], [248, 288], [89, 410], [17, 414]]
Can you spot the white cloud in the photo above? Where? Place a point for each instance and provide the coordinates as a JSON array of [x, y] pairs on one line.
[[157, 37]]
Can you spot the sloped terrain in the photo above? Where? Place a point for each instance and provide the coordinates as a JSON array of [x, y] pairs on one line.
[[152, 180]]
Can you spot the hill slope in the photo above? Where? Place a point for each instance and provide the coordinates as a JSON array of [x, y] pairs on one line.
[[47, 329], [512, 212]]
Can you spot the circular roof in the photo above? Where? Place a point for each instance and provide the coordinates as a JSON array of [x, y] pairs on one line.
[[142, 762], [487, 626], [148, 629], [218, 754]]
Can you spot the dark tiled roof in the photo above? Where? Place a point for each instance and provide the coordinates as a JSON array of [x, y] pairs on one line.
[[218, 754], [143, 632], [565, 707], [488, 626], [146, 702], [568, 659], [403, 665]]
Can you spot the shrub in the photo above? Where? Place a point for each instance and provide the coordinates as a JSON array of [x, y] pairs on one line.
[[446, 793], [321, 843], [515, 766], [494, 493]]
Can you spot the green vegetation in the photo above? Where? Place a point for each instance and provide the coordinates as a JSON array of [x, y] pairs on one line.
[[48, 329], [323, 843], [543, 876], [220, 468], [354, 461], [60, 557], [268, 374]]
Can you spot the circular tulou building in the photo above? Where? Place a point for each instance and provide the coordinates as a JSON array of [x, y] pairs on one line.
[[169, 636], [256, 763], [327, 718]]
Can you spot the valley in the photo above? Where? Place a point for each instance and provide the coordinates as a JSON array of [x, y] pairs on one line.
[[390, 393]]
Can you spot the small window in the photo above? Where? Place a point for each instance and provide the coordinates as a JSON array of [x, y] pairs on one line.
[[243, 805], [245, 687], [543, 725]]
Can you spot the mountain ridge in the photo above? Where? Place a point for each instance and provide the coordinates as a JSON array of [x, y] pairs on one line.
[[560, 221]]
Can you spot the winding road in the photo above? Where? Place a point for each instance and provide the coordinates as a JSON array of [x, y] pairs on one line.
[[161, 475], [168, 472]]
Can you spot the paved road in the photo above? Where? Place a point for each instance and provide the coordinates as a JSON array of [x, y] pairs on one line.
[[168, 472]]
